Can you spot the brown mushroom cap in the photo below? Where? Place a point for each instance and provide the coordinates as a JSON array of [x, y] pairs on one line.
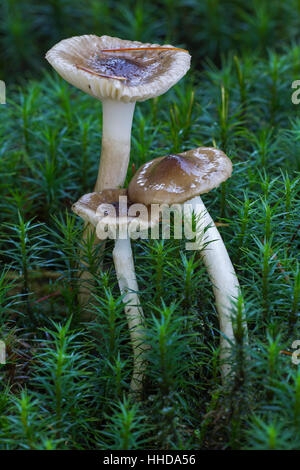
[[178, 178], [111, 213], [147, 73]]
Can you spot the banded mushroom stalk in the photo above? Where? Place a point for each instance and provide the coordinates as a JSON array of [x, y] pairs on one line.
[[111, 213], [118, 73], [180, 179]]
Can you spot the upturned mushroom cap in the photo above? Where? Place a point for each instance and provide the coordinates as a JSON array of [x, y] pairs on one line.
[[143, 74], [103, 210], [177, 178]]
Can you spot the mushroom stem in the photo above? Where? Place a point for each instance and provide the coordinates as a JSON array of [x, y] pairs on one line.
[[222, 274], [114, 160], [123, 260], [116, 134]]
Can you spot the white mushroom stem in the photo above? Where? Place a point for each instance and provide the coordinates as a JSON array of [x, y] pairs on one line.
[[114, 160], [123, 260], [116, 136], [221, 272]]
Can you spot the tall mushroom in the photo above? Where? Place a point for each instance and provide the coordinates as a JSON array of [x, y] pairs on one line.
[[112, 214], [180, 179], [118, 73]]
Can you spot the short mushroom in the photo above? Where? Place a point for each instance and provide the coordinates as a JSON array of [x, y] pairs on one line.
[[118, 73], [180, 179], [112, 214]]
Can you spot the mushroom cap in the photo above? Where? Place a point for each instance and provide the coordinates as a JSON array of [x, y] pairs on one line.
[[148, 73], [105, 209], [178, 178]]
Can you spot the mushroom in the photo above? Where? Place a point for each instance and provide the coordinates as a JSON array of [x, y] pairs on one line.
[[119, 73], [181, 178], [114, 216]]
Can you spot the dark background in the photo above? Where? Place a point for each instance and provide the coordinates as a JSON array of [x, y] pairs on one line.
[[208, 28]]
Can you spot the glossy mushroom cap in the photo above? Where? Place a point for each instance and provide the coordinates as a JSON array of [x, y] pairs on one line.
[[105, 208], [178, 178], [142, 75]]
